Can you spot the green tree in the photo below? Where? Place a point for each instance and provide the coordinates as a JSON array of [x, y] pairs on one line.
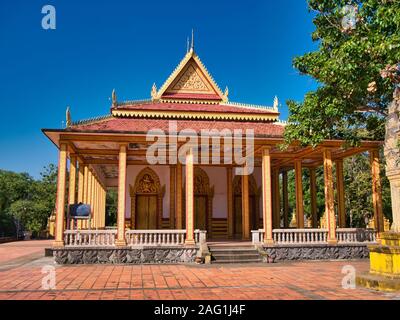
[[352, 99]]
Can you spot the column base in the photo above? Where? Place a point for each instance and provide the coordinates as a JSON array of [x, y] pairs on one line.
[[120, 243], [268, 241], [189, 243], [332, 242], [58, 244]]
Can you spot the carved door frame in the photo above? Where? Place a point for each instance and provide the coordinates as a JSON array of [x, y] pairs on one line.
[[149, 187]]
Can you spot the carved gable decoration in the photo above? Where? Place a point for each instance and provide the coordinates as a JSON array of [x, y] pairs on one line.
[[191, 81]]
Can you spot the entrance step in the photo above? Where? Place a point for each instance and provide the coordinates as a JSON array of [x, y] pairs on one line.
[[234, 254]]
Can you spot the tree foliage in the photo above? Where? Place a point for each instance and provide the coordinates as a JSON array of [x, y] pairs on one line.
[[352, 98], [25, 201]]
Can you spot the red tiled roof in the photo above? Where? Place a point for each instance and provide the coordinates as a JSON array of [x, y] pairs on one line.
[[130, 125], [208, 108]]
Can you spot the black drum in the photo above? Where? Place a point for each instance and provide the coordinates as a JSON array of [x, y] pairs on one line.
[[80, 210]]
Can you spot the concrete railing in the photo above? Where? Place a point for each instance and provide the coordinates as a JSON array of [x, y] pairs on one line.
[[200, 237], [315, 236], [155, 237], [356, 235], [89, 238], [300, 236]]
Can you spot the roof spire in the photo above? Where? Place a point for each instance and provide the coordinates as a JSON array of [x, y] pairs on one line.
[[276, 103], [192, 46], [114, 98], [68, 117], [188, 45]]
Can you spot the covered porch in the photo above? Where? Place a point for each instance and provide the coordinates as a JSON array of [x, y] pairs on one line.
[[176, 223]]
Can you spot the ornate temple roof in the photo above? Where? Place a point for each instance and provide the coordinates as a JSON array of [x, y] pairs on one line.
[[191, 96]]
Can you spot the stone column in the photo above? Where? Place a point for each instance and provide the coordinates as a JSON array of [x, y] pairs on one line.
[[80, 182], [285, 194], [245, 206], [172, 196], [329, 197], [71, 186], [120, 241], [85, 184], [229, 200], [313, 196], [340, 194], [299, 194], [60, 202], [267, 197], [277, 199], [189, 198], [376, 191], [178, 204]]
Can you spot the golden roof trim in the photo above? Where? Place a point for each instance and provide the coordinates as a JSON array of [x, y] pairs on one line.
[[192, 115]]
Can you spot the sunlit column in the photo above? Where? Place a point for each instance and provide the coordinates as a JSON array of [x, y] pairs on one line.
[[179, 179], [313, 196], [299, 194], [340, 194], [229, 181], [61, 190], [329, 197], [376, 190], [189, 198], [121, 196], [285, 195], [267, 196], [245, 206]]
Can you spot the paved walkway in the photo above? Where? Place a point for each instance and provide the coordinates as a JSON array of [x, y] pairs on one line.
[[301, 280]]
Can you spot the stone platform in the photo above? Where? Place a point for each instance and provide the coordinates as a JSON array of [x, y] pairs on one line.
[[128, 255], [298, 252]]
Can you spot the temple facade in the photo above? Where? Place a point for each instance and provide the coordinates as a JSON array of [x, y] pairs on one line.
[[185, 178]]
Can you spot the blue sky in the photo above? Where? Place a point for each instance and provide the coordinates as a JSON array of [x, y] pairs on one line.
[[99, 45]]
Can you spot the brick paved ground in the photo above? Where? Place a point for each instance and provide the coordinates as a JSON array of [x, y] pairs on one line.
[[302, 280]]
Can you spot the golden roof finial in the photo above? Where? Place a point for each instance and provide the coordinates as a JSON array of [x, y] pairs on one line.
[[188, 45], [154, 92], [192, 46], [68, 117], [114, 98], [226, 94], [276, 103]]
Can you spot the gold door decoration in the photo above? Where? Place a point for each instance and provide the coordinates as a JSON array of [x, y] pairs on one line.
[[255, 194], [147, 187], [203, 198]]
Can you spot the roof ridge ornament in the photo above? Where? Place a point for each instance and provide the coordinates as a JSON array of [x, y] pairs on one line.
[[192, 46], [154, 92], [226, 94], [276, 103], [68, 121], [114, 98]]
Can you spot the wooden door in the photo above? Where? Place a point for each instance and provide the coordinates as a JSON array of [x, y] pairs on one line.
[[200, 212], [146, 212], [238, 215]]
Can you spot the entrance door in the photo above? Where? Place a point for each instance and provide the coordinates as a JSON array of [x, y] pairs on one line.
[[254, 219], [200, 212], [146, 212]]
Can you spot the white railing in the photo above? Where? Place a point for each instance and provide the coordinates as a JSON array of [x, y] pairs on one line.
[[300, 236], [200, 236], [89, 238], [315, 236], [355, 235], [257, 236], [155, 237]]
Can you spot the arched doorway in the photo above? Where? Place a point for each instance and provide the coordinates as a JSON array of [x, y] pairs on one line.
[[146, 201], [203, 201], [254, 194]]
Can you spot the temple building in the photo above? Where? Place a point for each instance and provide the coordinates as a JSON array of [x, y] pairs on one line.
[[176, 207]]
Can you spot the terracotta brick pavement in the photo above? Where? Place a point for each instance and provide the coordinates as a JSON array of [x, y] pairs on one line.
[[300, 280]]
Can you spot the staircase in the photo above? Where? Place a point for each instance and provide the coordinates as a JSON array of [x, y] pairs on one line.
[[234, 253]]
